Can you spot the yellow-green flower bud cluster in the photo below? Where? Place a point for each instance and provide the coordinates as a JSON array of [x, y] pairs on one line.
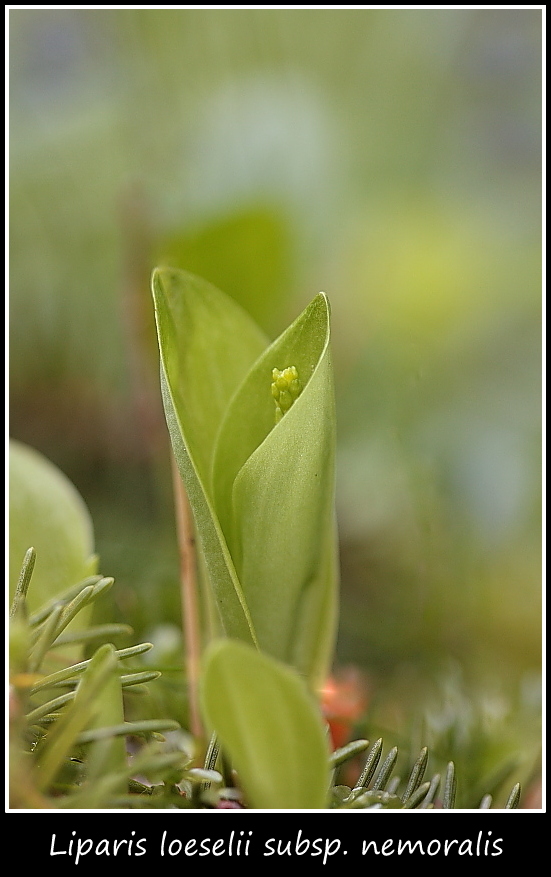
[[286, 387]]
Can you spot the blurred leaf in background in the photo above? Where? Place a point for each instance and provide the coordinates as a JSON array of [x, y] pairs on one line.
[[247, 251], [389, 157], [47, 514]]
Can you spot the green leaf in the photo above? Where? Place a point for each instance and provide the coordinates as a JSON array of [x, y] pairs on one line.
[[47, 513], [274, 490], [269, 725], [207, 343]]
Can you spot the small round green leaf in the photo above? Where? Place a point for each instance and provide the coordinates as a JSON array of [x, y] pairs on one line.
[[47, 513]]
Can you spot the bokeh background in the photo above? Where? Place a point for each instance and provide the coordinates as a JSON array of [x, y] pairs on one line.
[[389, 157]]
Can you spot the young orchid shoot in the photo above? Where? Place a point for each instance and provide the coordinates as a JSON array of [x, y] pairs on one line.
[[260, 484]]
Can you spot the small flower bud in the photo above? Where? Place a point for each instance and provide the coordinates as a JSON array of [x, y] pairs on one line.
[[286, 387]]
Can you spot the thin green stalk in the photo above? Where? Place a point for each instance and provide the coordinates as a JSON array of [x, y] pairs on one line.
[[387, 768], [211, 758], [514, 798], [76, 669], [46, 708], [339, 756], [62, 599], [431, 793], [101, 631], [142, 728], [139, 678], [417, 797], [46, 637], [19, 598], [448, 798], [370, 765], [417, 774]]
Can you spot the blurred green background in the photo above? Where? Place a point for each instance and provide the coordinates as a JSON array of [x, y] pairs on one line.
[[391, 158]]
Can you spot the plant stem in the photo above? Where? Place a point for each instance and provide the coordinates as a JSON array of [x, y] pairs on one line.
[[190, 602]]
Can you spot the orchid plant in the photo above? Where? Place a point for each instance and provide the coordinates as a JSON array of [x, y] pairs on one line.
[[253, 430], [252, 426]]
